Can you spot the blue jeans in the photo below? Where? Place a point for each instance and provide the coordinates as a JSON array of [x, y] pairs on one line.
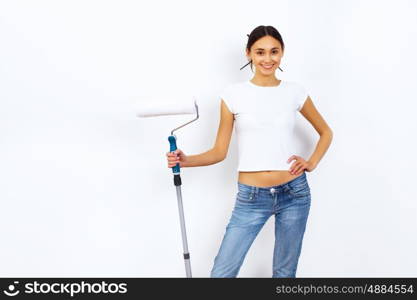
[[289, 202]]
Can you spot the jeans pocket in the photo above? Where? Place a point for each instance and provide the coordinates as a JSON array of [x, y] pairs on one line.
[[245, 196], [300, 190]]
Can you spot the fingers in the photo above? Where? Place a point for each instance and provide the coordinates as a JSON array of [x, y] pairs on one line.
[[171, 165], [173, 162], [297, 168], [291, 158], [293, 167], [173, 158], [176, 152]]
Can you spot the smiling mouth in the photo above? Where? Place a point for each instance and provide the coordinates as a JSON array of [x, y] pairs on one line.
[[267, 66]]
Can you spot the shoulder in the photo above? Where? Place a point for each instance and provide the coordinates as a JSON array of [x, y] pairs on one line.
[[232, 90], [297, 90], [230, 93]]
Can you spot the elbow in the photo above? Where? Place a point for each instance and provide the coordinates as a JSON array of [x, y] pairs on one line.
[[219, 154], [331, 132], [221, 158], [328, 131]]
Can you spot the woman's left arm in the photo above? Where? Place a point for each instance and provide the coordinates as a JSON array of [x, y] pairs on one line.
[[310, 112]]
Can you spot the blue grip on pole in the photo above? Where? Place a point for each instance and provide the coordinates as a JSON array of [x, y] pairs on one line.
[[172, 147]]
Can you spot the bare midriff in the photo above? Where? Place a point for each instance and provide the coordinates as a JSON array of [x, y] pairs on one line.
[[266, 178]]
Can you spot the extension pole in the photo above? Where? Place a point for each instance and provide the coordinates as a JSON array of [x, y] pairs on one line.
[[177, 183]]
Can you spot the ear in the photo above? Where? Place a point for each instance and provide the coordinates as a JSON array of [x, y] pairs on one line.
[[247, 55]]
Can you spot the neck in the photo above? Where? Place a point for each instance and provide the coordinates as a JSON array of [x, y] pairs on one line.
[[265, 80]]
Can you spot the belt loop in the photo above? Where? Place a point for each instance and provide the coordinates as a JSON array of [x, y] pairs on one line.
[[286, 187]]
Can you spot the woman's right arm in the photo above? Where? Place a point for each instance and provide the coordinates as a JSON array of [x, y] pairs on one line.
[[215, 154]]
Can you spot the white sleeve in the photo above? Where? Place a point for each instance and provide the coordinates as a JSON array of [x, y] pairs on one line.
[[301, 96], [226, 95]]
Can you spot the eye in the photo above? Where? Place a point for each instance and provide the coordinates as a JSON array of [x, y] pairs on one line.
[[260, 52]]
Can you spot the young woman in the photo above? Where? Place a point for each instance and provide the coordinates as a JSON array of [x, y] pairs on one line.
[[264, 110]]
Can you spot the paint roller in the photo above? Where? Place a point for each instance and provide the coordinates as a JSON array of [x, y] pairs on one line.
[[166, 107]]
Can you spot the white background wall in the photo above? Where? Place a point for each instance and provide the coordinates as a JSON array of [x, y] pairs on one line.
[[84, 186]]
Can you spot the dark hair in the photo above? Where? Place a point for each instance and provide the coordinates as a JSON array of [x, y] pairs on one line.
[[260, 32]]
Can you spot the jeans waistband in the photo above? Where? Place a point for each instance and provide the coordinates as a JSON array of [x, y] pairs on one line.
[[274, 188]]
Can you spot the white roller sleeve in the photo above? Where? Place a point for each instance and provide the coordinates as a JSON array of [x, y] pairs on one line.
[[162, 107]]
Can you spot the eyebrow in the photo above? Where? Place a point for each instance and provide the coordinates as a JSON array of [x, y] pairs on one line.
[[264, 49]]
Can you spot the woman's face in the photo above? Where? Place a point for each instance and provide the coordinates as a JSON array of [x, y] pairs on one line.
[[266, 55]]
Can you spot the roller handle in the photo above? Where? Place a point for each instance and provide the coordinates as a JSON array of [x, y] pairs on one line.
[[172, 147]]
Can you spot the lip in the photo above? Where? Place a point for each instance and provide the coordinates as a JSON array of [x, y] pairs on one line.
[[268, 68]]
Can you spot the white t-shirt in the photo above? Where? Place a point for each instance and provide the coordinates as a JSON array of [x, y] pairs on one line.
[[264, 122]]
